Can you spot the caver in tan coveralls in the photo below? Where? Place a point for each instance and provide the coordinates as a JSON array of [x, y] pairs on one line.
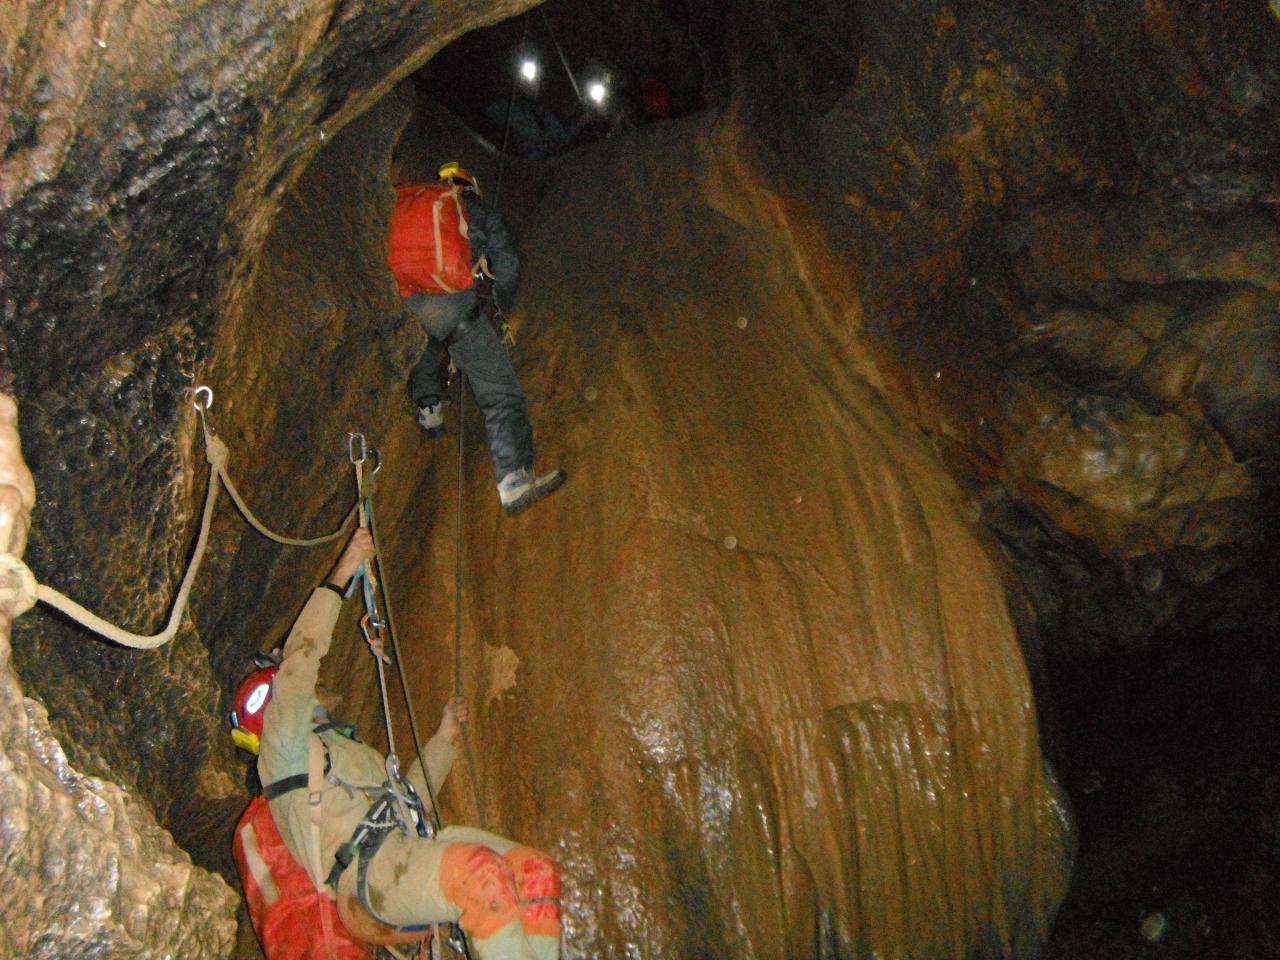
[[503, 894]]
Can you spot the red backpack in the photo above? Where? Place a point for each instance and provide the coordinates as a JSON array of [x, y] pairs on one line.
[[429, 250], [293, 920]]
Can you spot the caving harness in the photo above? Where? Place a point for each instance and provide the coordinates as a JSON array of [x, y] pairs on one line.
[[395, 805]]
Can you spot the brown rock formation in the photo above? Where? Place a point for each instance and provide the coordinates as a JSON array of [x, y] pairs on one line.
[[88, 871], [751, 673], [717, 665], [766, 672]]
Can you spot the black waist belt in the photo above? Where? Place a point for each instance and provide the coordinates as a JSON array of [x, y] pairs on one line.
[[285, 785]]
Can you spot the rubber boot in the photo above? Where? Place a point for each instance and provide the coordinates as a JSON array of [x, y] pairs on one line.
[[520, 489]]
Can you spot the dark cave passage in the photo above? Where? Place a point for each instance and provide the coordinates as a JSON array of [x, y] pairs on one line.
[[915, 366]]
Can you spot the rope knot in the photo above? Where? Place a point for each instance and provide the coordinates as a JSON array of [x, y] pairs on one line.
[[216, 451], [17, 585]]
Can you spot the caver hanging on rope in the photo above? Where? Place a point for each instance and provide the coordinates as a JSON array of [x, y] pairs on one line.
[[29, 591], [456, 320], [332, 796]]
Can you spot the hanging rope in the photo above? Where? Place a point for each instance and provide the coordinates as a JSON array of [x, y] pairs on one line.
[[375, 629], [26, 591], [458, 569], [374, 582], [506, 127], [577, 92]]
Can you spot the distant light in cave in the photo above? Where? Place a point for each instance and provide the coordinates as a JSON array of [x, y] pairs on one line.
[[529, 70], [597, 91]]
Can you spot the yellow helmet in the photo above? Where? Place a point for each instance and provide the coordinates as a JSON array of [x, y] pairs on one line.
[[454, 172]]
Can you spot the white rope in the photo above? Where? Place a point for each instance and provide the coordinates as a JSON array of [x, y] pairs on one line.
[[19, 595], [87, 618], [23, 590], [212, 444]]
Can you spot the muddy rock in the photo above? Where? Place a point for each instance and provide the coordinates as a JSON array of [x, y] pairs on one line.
[[91, 872], [1102, 469], [923, 273]]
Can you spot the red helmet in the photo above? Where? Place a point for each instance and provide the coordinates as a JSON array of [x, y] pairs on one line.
[[252, 697]]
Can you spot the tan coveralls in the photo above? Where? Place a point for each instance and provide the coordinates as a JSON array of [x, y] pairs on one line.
[[463, 874]]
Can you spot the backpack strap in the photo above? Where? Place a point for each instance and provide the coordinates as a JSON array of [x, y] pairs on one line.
[[285, 785], [454, 194], [300, 781]]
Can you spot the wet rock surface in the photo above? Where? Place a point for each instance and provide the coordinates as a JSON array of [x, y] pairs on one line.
[[1044, 235], [750, 696], [1083, 296], [90, 873]]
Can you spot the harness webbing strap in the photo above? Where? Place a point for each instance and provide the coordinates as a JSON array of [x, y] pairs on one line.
[[367, 852], [285, 785], [316, 760]]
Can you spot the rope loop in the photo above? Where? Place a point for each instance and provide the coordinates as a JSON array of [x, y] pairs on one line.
[[19, 593], [23, 590]]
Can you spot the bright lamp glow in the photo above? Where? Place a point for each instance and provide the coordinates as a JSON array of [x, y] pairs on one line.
[[597, 91], [529, 69], [255, 701]]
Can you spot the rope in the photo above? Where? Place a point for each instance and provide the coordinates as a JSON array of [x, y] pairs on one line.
[[219, 455], [458, 569], [374, 582], [414, 729], [216, 453], [278, 538], [506, 127], [563, 59], [24, 594], [371, 585]]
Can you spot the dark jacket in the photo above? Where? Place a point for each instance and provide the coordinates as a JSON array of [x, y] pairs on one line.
[[491, 238]]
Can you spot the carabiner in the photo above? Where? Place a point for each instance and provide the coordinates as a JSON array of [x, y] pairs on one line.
[[352, 437], [377, 460], [374, 632], [208, 405]]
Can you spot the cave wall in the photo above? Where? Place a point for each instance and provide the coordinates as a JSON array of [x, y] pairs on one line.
[[729, 622], [1059, 225], [89, 872], [763, 669], [147, 152], [924, 231]]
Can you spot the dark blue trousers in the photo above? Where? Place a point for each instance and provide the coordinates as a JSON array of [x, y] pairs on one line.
[[456, 321]]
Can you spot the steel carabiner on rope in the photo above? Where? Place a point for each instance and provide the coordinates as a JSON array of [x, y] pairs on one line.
[[375, 632]]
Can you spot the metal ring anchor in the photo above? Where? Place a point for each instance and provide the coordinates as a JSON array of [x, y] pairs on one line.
[[208, 404], [363, 447]]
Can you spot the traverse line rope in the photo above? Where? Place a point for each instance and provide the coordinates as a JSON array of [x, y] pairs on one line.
[[28, 590]]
